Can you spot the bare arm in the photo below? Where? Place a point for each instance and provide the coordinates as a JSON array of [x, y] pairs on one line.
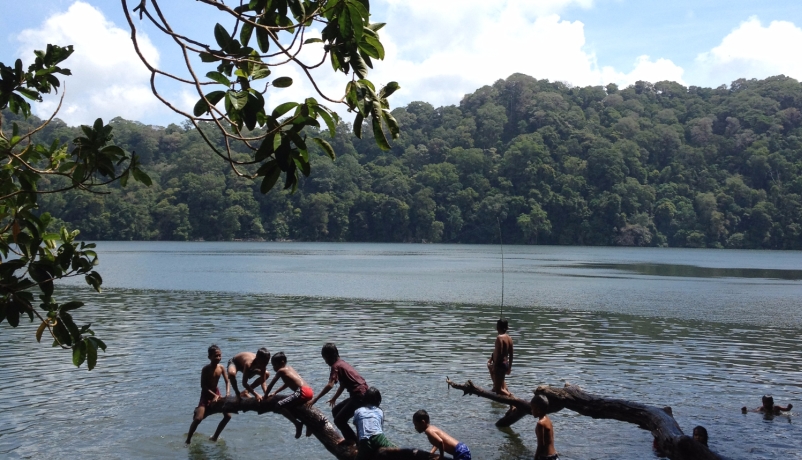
[[225, 377], [437, 442], [509, 369], [333, 400], [325, 390], [273, 382], [786, 408]]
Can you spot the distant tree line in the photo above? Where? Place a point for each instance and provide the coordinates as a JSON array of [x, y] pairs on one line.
[[649, 165]]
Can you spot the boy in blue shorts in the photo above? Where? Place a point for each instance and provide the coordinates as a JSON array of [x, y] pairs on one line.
[[440, 439]]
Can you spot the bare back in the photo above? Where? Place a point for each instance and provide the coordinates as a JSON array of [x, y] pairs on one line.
[[435, 436], [503, 349], [545, 438], [291, 378], [243, 362]]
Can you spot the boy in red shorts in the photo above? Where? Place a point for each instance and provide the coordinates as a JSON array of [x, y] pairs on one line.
[[302, 393], [210, 376]]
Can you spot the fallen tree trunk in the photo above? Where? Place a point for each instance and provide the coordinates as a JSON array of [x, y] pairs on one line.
[[669, 437], [317, 425]]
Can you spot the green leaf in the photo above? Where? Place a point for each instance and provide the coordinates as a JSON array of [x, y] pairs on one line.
[[358, 125], [355, 13], [378, 133], [265, 149], [389, 89], [219, 78], [312, 40], [208, 57], [359, 65], [40, 330], [330, 123], [262, 40], [395, 131], [238, 99], [272, 174], [260, 73], [71, 305], [142, 177], [79, 354], [282, 82], [284, 108], [91, 354], [245, 33], [344, 21], [222, 36], [325, 146]]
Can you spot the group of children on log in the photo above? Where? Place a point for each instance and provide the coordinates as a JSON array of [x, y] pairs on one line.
[[361, 407]]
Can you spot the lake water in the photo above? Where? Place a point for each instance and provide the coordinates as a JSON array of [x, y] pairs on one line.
[[703, 331]]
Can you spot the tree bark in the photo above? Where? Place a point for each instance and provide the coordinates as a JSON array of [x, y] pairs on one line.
[[317, 425], [668, 435]]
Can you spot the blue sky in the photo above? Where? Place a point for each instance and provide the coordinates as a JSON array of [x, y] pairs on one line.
[[438, 50]]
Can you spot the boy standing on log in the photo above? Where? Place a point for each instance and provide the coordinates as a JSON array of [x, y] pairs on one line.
[[500, 362], [210, 393], [251, 365], [544, 430], [302, 393], [349, 379], [439, 438]]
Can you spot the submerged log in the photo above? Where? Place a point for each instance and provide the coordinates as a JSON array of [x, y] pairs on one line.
[[317, 425], [669, 437]]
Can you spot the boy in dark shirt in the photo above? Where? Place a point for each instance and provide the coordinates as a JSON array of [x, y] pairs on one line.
[[349, 379], [210, 376]]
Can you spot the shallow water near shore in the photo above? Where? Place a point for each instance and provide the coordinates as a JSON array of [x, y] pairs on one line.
[[704, 332]]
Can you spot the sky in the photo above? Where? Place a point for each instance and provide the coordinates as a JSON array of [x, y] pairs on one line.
[[438, 50]]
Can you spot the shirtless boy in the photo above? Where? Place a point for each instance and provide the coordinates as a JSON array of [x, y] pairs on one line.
[[768, 407], [500, 362], [302, 393], [544, 430], [251, 365], [210, 375], [440, 439]]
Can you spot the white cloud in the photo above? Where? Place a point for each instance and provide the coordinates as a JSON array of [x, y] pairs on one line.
[[108, 79], [754, 51], [646, 70]]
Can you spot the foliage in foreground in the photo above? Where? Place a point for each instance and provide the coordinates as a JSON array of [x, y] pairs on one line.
[[646, 165]]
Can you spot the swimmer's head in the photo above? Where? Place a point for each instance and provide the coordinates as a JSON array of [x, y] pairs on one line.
[[768, 402], [421, 420], [502, 325], [263, 355], [214, 352], [540, 405], [700, 434], [330, 353], [279, 360]]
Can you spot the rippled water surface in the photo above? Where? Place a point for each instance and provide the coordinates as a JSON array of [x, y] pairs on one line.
[[705, 332]]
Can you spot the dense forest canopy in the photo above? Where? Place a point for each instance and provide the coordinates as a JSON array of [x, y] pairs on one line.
[[648, 165]]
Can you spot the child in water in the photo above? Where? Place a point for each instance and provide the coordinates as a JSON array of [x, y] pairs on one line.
[[543, 430], [210, 394], [368, 420], [768, 407], [440, 439], [302, 393], [500, 362]]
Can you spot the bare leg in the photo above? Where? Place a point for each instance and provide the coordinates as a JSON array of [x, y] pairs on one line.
[[220, 426], [196, 419], [490, 368], [299, 426], [232, 377]]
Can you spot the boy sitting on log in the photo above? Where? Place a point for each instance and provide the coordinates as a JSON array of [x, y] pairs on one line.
[[768, 407], [210, 393], [251, 365], [440, 439], [544, 430], [500, 362], [302, 393]]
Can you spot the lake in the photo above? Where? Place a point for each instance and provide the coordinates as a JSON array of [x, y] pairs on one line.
[[703, 331]]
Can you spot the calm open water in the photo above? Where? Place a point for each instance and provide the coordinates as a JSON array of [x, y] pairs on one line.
[[703, 331]]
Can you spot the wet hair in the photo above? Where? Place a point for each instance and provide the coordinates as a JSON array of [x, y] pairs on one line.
[[502, 324], [330, 350], [701, 432], [768, 399], [373, 397], [262, 353], [278, 358], [421, 416], [213, 348], [541, 403]]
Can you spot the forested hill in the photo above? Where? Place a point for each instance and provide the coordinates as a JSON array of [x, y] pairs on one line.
[[649, 165]]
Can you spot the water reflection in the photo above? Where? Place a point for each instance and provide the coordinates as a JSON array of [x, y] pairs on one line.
[[692, 271], [157, 344]]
